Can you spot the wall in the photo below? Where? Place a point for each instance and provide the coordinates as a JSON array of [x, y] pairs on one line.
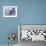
[[7, 25], [29, 12]]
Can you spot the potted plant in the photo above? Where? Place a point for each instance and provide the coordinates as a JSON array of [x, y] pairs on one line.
[[11, 37]]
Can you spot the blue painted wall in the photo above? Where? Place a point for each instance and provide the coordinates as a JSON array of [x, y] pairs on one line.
[[29, 12]]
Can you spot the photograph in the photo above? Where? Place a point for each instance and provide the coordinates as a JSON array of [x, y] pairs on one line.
[[9, 11]]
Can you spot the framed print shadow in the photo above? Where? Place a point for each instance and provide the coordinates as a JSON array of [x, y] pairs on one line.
[[9, 11]]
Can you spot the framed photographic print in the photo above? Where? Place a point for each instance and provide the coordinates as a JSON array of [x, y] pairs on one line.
[[9, 11]]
